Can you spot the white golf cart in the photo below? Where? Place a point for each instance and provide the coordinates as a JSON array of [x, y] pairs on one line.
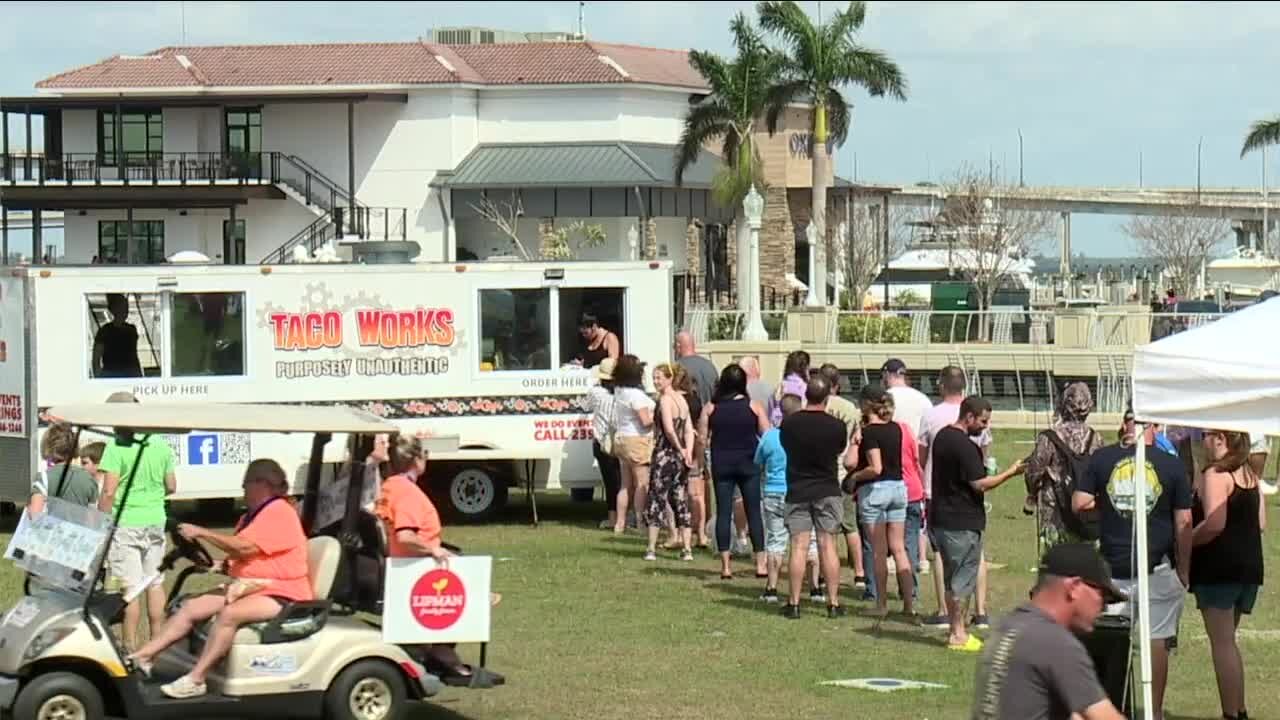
[[60, 661]]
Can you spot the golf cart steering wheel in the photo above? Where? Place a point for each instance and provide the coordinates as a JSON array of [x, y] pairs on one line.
[[190, 549]]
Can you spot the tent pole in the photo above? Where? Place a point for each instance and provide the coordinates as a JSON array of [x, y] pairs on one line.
[[1143, 601]]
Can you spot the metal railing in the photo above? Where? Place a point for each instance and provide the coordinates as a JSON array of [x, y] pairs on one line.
[[949, 327], [710, 325], [1120, 329], [365, 223], [943, 327], [181, 168]]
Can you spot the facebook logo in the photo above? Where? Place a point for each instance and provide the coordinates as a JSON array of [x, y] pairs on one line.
[[202, 449]]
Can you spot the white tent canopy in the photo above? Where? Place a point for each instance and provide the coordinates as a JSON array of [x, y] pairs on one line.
[[1224, 375]]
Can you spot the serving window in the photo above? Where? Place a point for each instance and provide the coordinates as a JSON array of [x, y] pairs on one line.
[[166, 335], [538, 329], [515, 330]]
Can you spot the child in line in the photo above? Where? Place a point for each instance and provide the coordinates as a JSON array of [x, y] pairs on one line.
[[772, 459]]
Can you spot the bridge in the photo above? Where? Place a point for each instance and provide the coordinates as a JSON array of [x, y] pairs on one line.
[[1227, 202]]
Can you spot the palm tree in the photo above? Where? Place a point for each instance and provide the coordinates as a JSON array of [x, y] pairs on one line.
[[728, 114], [821, 59], [1261, 134]]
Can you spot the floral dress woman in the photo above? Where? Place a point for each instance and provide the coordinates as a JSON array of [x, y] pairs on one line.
[[669, 471]]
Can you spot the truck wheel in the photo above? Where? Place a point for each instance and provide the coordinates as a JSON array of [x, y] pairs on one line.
[[474, 493], [368, 690], [59, 696]]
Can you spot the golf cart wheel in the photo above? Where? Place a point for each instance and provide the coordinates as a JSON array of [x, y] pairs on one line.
[[368, 690], [59, 696], [474, 493]]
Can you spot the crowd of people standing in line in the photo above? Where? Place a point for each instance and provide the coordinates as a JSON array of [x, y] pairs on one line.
[[1205, 517], [797, 470], [796, 467]]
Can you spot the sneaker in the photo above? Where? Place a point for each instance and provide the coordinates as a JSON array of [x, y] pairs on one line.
[[936, 621], [836, 611], [860, 582], [770, 595], [923, 568], [741, 547], [686, 555], [816, 594], [791, 612], [868, 596], [972, 645], [982, 622], [183, 688], [143, 667], [650, 556]]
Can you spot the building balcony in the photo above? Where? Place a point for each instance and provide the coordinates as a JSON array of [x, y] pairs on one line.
[[181, 179], [182, 168]]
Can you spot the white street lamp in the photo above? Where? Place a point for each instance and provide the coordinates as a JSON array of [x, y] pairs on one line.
[[633, 243], [811, 235], [753, 208]]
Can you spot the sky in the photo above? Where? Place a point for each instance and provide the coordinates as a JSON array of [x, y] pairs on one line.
[[1092, 86]]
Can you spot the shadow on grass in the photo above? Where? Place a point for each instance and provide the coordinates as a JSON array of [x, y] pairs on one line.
[[918, 636], [436, 711]]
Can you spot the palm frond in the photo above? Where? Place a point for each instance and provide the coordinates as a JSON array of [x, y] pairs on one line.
[[795, 28], [703, 123], [838, 116], [777, 99], [717, 71], [1261, 134], [841, 27], [733, 180], [871, 69]]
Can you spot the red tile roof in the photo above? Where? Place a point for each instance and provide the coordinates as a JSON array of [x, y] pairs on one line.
[[416, 63]]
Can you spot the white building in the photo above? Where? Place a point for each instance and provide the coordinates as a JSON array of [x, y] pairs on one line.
[[244, 152]]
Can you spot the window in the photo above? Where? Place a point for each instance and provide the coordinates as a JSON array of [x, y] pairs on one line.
[[141, 137], [207, 334], [244, 130], [233, 243], [148, 241], [604, 304], [122, 335], [515, 330]]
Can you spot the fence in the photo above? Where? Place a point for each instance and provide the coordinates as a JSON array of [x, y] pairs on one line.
[[950, 327]]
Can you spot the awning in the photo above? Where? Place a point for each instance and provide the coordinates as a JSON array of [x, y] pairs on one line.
[[592, 164]]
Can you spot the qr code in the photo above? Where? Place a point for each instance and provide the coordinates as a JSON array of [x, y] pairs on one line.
[[231, 449], [175, 444], [235, 448]]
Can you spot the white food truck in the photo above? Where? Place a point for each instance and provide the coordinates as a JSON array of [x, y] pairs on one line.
[[484, 351]]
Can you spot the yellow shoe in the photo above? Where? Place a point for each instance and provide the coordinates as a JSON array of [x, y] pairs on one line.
[[972, 645]]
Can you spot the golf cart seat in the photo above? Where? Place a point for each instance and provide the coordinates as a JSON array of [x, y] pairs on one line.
[[297, 620]]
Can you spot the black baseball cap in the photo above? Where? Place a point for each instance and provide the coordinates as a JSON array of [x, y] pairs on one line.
[[1083, 561], [893, 366], [872, 392]]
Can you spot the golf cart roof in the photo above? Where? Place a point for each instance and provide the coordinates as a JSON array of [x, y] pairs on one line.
[[238, 417]]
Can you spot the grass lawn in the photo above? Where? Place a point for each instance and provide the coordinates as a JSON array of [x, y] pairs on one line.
[[588, 630]]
